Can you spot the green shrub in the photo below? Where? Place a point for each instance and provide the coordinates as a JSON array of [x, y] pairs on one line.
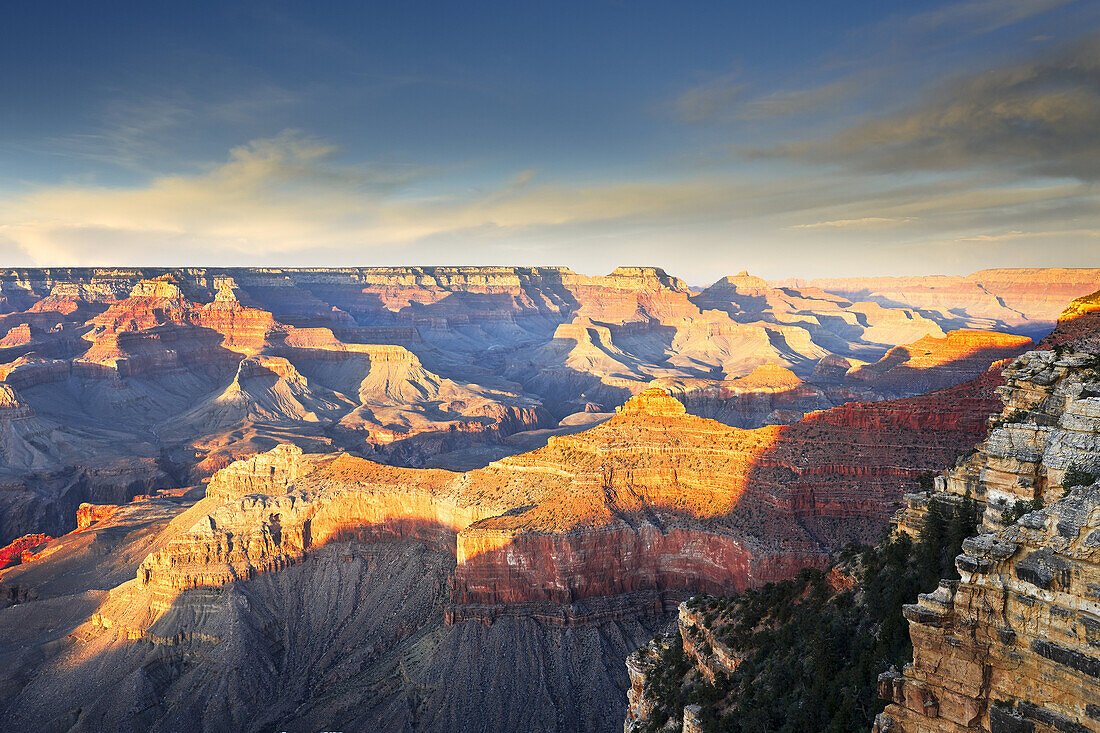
[[812, 655], [1077, 477], [1012, 514]]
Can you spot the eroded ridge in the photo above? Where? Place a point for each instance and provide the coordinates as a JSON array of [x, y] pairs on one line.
[[624, 519]]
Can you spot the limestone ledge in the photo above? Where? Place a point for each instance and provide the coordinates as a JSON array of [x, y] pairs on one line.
[[1049, 423], [1014, 645]]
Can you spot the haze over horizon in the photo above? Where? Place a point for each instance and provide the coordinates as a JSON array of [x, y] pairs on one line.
[[810, 140]]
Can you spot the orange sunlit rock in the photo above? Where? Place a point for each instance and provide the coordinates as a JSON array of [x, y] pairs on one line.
[[623, 517]]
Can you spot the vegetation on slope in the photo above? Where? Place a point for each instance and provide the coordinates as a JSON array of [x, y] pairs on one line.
[[811, 650]]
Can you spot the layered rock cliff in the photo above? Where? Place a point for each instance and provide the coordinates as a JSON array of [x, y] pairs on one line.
[[194, 368], [1046, 428], [624, 519], [1012, 646]]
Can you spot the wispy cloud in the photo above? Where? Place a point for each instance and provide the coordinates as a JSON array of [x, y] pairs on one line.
[[1017, 234], [708, 100], [1041, 115], [135, 132], [799, 101], [979, 16], [865, 222], [286, 195]]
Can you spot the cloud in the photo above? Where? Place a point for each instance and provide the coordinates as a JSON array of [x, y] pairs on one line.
[[1017, 234], [286, 195], [129, 132], [709, 100], [1040, 116], [980, 16], [725, 99], [866, 222], [291, 200], [274, 194], [798, 101]]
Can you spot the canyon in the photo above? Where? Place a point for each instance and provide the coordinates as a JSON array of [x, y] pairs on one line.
[[1008, 645], [413, 498], [562, 560], [120, 382], [1030, 299]]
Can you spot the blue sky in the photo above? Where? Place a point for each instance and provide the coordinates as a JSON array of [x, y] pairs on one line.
[[792, 139]]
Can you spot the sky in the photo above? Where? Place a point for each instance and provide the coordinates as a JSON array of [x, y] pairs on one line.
[[791, 139]]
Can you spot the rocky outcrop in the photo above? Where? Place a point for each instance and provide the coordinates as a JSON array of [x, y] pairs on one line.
[[21, 549], [1078, 326], [89, 514], [1012, 646], [1048, 425], [273, 472], [705, 655]]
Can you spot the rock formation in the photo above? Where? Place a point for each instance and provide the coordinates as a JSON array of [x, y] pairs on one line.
[[1012, 646], [773, 395], [623, 519], [21, 549], [324, 580], [194, 368], [1043, 429], [1028, 299]]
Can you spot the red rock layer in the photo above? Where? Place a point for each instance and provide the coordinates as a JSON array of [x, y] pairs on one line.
[[622, 519], [21, 549], [89, 514]]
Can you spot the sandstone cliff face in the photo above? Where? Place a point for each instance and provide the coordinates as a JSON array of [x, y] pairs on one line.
[[1012, 646], [273, 472]]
